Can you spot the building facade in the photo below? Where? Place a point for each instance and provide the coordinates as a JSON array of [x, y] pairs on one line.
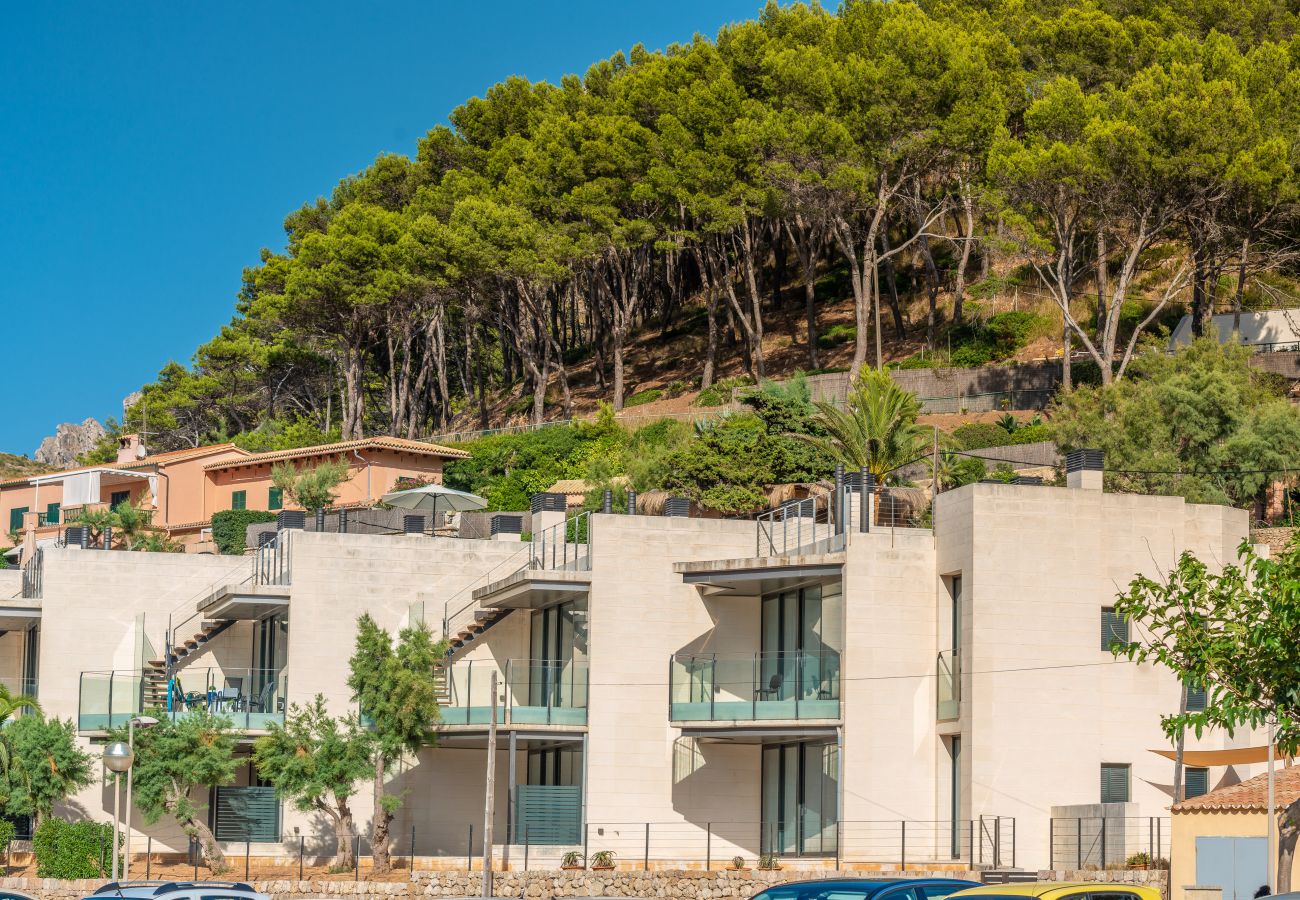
[[679, 691], [181, 489]]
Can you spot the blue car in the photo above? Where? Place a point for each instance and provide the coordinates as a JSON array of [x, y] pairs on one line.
[[866, 889]]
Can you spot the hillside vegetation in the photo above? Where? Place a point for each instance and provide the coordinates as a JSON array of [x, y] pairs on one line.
[[965, 181], [13, 466]]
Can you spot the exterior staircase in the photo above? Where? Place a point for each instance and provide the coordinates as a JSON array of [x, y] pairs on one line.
[[474, 629], [155, 670]]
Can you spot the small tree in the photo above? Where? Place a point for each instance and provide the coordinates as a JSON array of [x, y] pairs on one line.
[[397, 692], [877, 430], [315, 761], [45, 765], [311, 488], [172, 760], [1234, 633]]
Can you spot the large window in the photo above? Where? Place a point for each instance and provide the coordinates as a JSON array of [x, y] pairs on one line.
[[1114, 783], [239, 500], [117, 498], [1113, 627], [800, 798], [274, 499]]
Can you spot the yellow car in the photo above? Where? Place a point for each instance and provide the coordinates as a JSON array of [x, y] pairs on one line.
[[1059, 890]]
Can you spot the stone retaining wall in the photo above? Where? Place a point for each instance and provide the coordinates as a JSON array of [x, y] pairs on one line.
[[545, 885]]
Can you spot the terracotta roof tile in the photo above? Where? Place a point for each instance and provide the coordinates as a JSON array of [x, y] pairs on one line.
[[383, 443], [1251, 794]]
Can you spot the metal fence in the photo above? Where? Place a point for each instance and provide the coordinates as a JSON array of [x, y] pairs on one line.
[[34, 576], [1084, 842], [810, 525], [272, 561], [563, 546]]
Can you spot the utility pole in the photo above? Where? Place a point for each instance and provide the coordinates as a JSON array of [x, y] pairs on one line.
[[490, 799]]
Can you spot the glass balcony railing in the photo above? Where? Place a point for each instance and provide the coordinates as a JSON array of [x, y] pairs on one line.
[[949, 685], [754, 687], [535, 692], [250, 698], [19, 687]]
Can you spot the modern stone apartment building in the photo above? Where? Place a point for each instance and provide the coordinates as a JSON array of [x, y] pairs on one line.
[[678, 690]]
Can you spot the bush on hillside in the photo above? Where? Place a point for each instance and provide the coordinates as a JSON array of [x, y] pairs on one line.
[[230, 528], [975, 345], [839, 333], [978, 435], [70, 850], [641, 397], [1030, 434], [719, 394]]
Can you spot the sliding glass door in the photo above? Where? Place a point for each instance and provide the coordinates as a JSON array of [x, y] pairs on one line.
[[800, 798]]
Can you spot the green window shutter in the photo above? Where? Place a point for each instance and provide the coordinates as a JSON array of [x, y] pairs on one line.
[[275, 499], [1196, 781], [246, 814], [239, 500], [1196, 697], [1114, 783], [16, 518], [1113, 627], [52, 514]]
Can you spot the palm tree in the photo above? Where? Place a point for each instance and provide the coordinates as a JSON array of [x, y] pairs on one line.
[[876, 430], [10, 703]]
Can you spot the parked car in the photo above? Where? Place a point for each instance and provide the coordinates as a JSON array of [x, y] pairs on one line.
[[1060, 890], [177, 890], [867, 889], [6, 894]]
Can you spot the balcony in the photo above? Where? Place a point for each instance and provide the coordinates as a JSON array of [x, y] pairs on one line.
[[756, 687], [536, 693], [250, 698], [948, 678]]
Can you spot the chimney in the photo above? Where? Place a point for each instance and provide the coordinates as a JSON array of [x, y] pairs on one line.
[[129, 449], [1083, 469]]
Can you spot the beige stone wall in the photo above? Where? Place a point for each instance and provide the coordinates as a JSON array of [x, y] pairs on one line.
[[544, 885], [1043, 705]]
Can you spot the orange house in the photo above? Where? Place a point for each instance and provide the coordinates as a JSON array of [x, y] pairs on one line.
[[183, 488]]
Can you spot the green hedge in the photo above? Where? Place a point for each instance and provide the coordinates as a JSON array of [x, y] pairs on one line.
[[72, 849], [230, 528]]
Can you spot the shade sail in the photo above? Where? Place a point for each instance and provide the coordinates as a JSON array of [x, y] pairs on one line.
[[1240, 756]]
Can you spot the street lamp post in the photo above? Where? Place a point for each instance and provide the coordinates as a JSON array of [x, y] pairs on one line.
[[118, 757], [131, 724]]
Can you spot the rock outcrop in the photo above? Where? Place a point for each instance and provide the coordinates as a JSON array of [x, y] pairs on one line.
[[69, 441]]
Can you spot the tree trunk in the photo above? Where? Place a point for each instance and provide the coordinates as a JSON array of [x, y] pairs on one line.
[[1103, 288], [1180, 746], [959, 287], [1241, 286], [344, 832], [1287, 832], [380, 834], [212, 855]]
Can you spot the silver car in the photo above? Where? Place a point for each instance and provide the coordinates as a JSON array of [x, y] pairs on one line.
[[177, 890]]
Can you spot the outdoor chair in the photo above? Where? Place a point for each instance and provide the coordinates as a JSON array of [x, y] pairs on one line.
[[773, 689], [262, 702]]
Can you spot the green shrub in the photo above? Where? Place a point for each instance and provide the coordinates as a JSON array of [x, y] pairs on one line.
[[72, 849], [977, 435], [7, 832], [720, 393], [1030, 434], [839, 333], [676, 388], [230, 527], [921, 360], [640, 397], [973, 354], [1012, 330]]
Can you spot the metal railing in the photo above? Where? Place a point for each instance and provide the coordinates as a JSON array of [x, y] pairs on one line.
[[537, 692], [1106, 842], [272, 562], [948, 677], [34, 576], [563, 546], [810, 525], [250, 698], [757, 686], [806, 834]]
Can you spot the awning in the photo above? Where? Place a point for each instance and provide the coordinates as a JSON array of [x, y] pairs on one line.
[[1240, 756]]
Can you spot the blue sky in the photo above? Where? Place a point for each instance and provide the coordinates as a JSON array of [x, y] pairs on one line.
[[148, 150]]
